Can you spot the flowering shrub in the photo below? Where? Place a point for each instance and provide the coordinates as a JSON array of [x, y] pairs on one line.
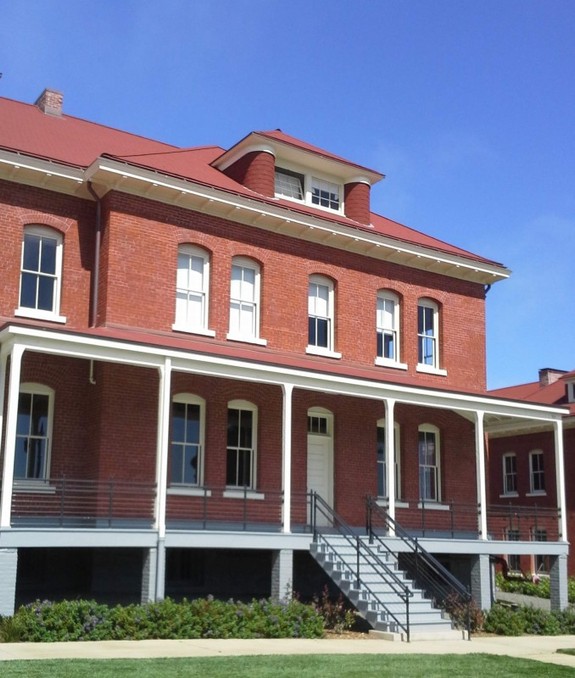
[[45, 621]]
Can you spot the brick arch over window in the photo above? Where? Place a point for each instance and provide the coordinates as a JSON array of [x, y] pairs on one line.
[[30, 217]]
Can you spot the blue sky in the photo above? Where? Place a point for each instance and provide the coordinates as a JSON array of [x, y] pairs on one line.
[[467, 107]]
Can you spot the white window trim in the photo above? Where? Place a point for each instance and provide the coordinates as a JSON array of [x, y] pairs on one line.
[[424, 367], [326, 351], [386, 295], [39, 484], [54, 314], [506, 456], [430, 428], [308, 182], [190, 399], [233, 491], [182, 326], [233, 333], [532, 492], [397, 454]]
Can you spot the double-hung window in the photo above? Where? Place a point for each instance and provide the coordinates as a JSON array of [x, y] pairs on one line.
[[41, 274], [382, 489], [192, 290], [510, 474], [387, 329], [241, 447], [429, 480], [245, 301], [536, 472], [187, 440], [321, 316], [428, 337], [289, 184], [33, 432]]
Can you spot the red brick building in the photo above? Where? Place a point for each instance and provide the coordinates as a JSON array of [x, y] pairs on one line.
[[523, 463], [193, 340]]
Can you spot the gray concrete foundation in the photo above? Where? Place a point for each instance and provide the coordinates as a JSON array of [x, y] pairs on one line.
[[558, 582], [149, 575]]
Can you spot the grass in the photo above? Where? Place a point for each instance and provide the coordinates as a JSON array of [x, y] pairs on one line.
[[302, 666]]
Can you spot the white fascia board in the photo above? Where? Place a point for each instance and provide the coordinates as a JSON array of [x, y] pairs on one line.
[[46, 167], [113, 168], [90, 347]]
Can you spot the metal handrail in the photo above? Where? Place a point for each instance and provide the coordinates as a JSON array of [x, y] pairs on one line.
[[364, 555], [425, 569]]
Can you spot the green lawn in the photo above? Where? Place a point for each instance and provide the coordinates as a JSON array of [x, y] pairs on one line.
[[316, 666]]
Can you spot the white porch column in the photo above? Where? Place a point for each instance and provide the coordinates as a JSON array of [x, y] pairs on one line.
[[162, 448], [560, 479], [287, 390], [390, 457], [10, 433], [480, 471]]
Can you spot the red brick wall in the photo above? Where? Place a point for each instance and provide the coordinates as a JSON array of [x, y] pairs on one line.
[[74, 219], [357, 202], [255, 170], [139, 268]]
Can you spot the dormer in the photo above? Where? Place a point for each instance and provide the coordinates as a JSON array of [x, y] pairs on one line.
[[569, 380], [279, 166]]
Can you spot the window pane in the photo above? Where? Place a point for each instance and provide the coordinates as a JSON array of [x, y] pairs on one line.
[[193, 424], [36, 458], [191, 465], [24, 414], [39, 415], [233, 427], [232, 468], [31, 259], [28, 290], [322, 332], [48, 256], [177, 462], [246, 419], [46, 293]]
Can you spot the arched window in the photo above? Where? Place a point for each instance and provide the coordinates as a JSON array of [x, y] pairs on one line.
[[192, 290], [187, 440], [321, 312], [41, 274], [241, 445], [427, 335], [429, 466], [387, 329], [245, 301], [33, 432]]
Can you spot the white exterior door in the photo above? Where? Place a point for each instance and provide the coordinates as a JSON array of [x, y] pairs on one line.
[[320, 464]]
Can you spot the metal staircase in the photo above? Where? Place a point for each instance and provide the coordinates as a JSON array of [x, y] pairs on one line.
[[368, 573]]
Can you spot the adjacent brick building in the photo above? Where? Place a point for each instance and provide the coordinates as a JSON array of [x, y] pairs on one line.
[[193, 340]]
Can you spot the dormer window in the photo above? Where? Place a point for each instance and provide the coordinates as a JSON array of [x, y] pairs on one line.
[[289, 184], [311, 190], [570, 386], [325, 194]]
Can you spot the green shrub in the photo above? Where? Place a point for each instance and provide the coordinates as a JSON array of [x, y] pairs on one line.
[[506, 621], [202, 618]]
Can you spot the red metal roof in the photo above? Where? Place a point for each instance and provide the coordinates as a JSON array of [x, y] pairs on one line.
[[535, 392], [73, 141]]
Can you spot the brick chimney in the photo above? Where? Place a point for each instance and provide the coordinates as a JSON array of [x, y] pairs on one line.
[[50, 102], [548, 376]]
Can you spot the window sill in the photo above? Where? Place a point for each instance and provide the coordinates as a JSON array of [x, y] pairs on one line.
[[509, 495], [428, 369], [384, 502], [434, 506], [189, 491], [386, 362], [247, 340], [39, 315], [243, 494], [325, 352], [193, 330], [538, 493], [33, 487]]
